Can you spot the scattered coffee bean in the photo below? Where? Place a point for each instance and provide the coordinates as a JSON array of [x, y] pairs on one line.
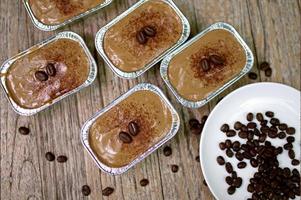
[[234, 174], [222, 146], [41, 76], [231, 133], [251, 125], [50, 69], [264, 66], [259, 117], [229, 180], [281, 135], [167, 151], [196, 129], [250, 116], [290, 131], [62, 159], [86, 190], [144, 182], [228, 143], [295, 162], [236, 146], [125, 137], [193, 122], [220, 160], [50, 156], [243, 134], [254, 162], [241, 165], [204, 119], [274, 121], [149, 31], [229, 167], [24, 130], [237, 125], [141, 38], [133, 128], [288, 146], [252, 76], [174, 168], [239, 156], [290, 139], [216, 60], [268, 72], [107, 191], [237, 182], [269, 114], [225, 128], [231, 190], [291, 154], [205, 64], [229, 153], [197, 158]]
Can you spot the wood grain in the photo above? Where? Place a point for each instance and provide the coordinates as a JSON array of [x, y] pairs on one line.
[[270, 27]]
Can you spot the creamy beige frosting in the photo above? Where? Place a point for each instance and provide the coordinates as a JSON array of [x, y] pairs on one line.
[[145, 108], [52, 12], [72, 68], [183, 71], [121, 45]]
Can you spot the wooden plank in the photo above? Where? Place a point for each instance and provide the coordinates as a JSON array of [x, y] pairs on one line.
[[272, 30]]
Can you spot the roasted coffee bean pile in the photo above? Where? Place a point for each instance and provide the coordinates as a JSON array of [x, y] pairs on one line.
[[195, 126], [133, 130], [270, 181]]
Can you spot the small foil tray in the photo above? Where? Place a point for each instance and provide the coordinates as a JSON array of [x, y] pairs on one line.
[[99, 40], [7, 64], [196, 104], [45, 27], [172, 132]]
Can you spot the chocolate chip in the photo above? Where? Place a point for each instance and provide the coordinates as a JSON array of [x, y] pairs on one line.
[[133, 128], [216, 60], [86, 190], [50, 156], [241, 165], [41, 76], [264, 66], [252, 76], [149, 31], [107, 191], [141, 38], [224, 128], [62, 159], [144, 182], [24, 130], [268, 72], [250, 116], [174, 168], [167, 151], [205, 64], [50, 69], [125, 137]]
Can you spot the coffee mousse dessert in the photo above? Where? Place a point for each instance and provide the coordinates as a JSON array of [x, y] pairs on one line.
[[142, 35], [206, 65], [54, 12], [46, 73], [130, 128]]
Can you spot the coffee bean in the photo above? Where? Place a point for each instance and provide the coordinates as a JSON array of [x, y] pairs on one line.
[[197, 158], [282, 127], [241, 165], [224, 128], [279, 150], [237, 182], [144, 182], [269, 114], [281, 135], [290, 131], [62, 159], [264, 66], [291, 154], [288, 146], [244, 128], [50, 69], [228, 143], [236, 146], [141, 38], [107, 191], [251, 125], [252, 76], [149, 31], [174, 168], [231, 190], [86, 190], [216, 60], [220, 160], [205, 64], [237, 125], [274, 121], [250, 116], [229, 153], [204, 182], [239, 156], [204, 119], [196, 129], [229, 167], [259, 117], [41, 76], [272, 134], [250, 188], [290, 139], [24, 130], [125, 137], [243, 134], [234, 174], [193, 122], [229, 180], [222, 146], [231, 133], [50, 156], [254, 162], [295, 162], [167, 151], [133, 128], [268, 72], [250, 135]]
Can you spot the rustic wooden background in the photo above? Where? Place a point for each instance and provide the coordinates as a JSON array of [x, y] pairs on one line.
[[272, 30]]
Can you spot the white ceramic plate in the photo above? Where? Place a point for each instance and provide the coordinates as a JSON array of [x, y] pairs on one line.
[[283, 100]]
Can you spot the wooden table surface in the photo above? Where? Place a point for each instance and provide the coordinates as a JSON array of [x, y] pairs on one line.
[[270, 28]]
